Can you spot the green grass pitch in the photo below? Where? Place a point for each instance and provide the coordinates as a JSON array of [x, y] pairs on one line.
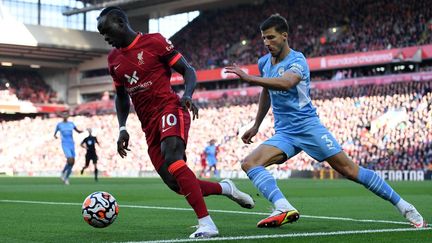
[[36, 209]]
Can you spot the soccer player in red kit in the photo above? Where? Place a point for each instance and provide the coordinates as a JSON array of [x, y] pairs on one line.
[[140, 65]]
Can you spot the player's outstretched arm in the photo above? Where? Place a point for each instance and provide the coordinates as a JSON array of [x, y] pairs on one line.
[[263, 107], [122, 104], [189, 76], [77, 130], [285, 82]]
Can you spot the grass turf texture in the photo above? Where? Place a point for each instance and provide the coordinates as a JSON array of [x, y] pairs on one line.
[[40, 222]]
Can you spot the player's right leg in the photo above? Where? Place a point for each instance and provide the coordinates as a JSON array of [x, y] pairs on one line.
[[254, 165]]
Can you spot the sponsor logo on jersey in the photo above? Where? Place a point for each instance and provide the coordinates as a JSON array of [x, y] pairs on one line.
[[132, 79], [139, 88]]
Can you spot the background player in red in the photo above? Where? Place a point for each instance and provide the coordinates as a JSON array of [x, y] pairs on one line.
[[140, 65]]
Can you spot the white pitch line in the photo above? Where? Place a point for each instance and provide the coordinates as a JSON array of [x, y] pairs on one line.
[[215, 211], [294, 235]]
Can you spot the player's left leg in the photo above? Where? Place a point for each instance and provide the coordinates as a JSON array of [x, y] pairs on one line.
[[173, 151], [374, 183], [87, 163], [320, 144]]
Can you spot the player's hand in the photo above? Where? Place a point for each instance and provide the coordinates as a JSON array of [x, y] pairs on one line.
[[187, 104], [249, 134], [123, 143], [234, 69]]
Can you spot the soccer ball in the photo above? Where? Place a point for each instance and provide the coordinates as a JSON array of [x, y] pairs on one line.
[[100, 209]]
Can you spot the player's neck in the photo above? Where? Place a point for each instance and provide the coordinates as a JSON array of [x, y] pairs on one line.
[[283, 53], [130, 37]]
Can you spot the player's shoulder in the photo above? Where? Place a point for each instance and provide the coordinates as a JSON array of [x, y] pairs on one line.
[[263, 60], [112, 54], [155, 38], [297, 56]]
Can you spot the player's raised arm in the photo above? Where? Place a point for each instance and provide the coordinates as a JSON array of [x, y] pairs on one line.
[[285, 82], [188, 72], [122, 104]]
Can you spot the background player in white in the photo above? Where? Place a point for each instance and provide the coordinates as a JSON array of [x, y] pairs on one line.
[[285, 79]]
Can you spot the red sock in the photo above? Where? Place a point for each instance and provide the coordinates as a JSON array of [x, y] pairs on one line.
[[189, 187], [210, 188]]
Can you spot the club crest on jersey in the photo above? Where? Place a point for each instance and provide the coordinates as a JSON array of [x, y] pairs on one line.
[[281, 71], [140, 58], [132, 79]]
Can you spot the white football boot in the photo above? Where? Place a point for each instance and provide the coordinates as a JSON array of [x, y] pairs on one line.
[[205, 231], [414, 217], [243, 199]]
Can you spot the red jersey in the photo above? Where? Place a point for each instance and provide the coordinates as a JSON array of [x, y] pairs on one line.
[[144, 69]]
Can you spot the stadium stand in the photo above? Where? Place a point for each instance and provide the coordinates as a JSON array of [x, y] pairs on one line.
[[385, 127], [316, 31], [27, 85]]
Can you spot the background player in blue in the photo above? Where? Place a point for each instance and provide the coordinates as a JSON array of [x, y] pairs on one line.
[[285, 79], [210, 152], [66, 129], [90, 145]]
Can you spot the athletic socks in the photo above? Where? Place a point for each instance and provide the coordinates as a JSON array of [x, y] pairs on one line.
[[210, 188], [266, 184], [377, 185], [189, 187]]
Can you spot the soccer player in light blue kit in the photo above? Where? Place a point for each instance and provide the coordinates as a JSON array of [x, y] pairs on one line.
[[66, 129], [210, 152], [285, 79]]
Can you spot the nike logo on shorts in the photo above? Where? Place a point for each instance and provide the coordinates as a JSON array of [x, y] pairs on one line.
[[166, 129]]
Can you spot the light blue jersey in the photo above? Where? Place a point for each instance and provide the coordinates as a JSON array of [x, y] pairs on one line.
[[291, 108], [66, 133], [297, 124], [211, 154]]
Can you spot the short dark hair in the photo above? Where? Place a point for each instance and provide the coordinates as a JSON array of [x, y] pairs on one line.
[[114, 10], [277, 21]]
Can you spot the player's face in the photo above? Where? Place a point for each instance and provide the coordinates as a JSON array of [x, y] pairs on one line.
[[274, 41], [112, 30]]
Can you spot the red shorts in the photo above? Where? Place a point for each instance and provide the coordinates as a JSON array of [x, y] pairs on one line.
[[172, 121]]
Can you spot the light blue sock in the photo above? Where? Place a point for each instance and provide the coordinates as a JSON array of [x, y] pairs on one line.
[[377, 185], [266, 183]]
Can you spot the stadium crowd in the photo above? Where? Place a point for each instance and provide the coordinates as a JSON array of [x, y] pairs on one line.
[[383, 127], [25, 85], [316, 31]]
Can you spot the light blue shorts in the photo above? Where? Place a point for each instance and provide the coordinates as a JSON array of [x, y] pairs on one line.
[[211, 160], [69, 150], [314, 139]]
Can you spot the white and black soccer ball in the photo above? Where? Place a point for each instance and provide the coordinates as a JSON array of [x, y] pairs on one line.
[[100, 209]]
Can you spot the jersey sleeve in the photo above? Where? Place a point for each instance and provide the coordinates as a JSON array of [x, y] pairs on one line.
[[261, 63], [165, 49], [299, 67]]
